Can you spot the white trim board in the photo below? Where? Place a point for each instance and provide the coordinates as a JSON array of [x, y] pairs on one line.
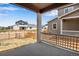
[[71, 17], [69, 31]]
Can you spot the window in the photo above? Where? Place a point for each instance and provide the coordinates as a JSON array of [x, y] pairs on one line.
[[68, 9], [54, 26], [22, 28], [30, 27]]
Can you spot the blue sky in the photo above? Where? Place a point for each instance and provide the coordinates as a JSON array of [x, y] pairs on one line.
[[10, 13]]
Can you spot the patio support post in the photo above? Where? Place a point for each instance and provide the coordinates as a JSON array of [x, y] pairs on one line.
[[61, 26], [39, 27]]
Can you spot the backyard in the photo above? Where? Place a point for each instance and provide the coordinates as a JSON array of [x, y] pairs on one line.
[[13, 39]]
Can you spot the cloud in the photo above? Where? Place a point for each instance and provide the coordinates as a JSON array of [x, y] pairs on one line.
[[8, 8], [51, 13]]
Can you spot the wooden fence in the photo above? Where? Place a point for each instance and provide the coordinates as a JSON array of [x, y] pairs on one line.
[[17, 34], [69, 42]]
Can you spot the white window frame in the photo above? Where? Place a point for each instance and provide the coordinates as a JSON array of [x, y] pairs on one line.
[[69, 9], [53, 26]]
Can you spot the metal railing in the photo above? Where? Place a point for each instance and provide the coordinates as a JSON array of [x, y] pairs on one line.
[[69, 42]]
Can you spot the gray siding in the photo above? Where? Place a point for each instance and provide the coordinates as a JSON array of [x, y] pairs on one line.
[[71, 24], [50, 26], [61, 10]]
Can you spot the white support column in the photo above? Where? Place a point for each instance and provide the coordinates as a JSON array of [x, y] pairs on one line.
[[39, 27], [61, 26]]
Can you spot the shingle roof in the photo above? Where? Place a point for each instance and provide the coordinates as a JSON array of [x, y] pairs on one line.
[[53, 20], [21, 22]]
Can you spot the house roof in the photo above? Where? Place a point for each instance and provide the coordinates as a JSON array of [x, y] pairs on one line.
[[41, 7], [28, 25], [53, 19], [21, 22], [44, 25]]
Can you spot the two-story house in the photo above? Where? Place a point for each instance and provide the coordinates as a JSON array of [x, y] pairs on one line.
[[67, 22]]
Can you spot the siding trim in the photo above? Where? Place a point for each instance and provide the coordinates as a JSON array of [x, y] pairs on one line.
[[71, 17]]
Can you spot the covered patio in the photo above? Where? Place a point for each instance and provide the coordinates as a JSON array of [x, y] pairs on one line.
[[40, 48]]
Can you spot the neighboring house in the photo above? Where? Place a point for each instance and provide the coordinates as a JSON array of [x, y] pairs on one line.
[[22, 25], [45, 28], [67, 22]]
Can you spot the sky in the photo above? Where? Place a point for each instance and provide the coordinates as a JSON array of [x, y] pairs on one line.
[[10, 13]]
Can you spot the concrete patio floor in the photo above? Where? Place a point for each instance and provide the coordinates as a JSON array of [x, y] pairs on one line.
[[37, 49]]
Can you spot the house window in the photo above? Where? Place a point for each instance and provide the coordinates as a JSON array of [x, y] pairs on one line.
[[30, 27], [22, 28], [68, 9], [54, 26]]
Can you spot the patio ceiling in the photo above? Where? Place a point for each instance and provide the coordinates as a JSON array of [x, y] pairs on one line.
[[41, 7]]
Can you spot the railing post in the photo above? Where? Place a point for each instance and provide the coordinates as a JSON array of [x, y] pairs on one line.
[[73, 42], [39, 27], [76, 44], [61, 26], [56, 39]]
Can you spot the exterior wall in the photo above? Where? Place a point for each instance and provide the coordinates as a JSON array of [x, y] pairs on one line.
[[61, 10], [50, 26], [73, 14], [31, 29], [15, 28], [71, 24]]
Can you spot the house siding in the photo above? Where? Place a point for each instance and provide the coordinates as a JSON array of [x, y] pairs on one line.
[[73, 14], [71, 24], [61, 10], [50, 27]]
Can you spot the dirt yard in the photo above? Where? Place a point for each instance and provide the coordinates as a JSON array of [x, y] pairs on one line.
[[9, 44], [14, 39]]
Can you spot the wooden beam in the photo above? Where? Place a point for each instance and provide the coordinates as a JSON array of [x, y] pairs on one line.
[[28, 6], [37, 9], [52, 6]]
